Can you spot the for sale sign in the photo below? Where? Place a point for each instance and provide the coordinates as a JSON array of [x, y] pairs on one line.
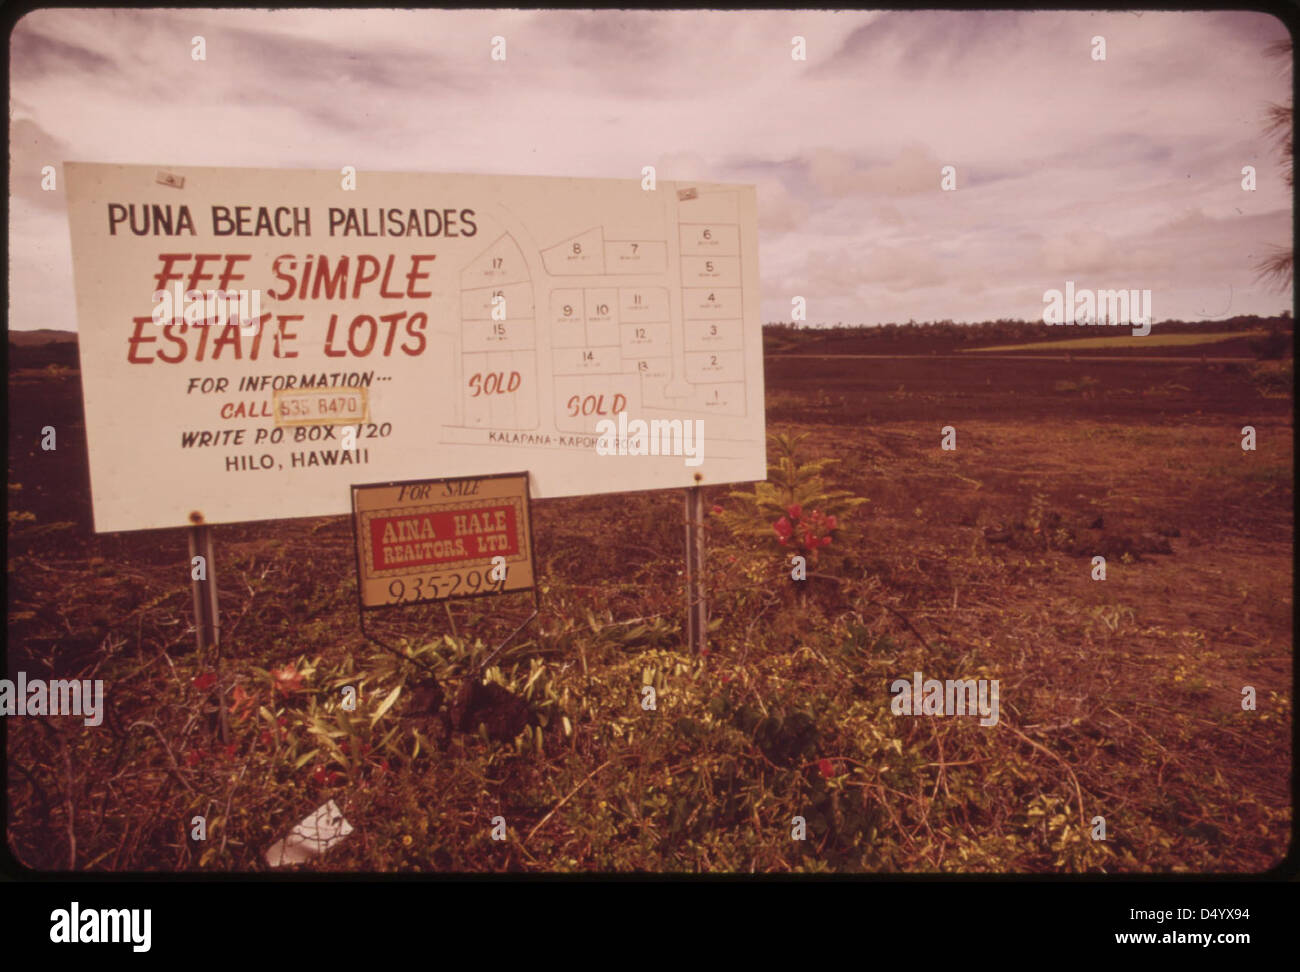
[[255, 341], [435, 539]]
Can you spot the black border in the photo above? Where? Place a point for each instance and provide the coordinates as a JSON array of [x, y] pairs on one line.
[[1083, 907]]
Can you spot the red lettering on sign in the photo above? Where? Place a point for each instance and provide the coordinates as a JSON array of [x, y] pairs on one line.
[[495, 383], [417, 540]]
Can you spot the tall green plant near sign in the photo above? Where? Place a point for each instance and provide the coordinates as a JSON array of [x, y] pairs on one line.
[[795, 510]]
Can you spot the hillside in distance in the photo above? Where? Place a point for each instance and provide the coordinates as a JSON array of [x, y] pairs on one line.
[[42, 335], [1259, 337]]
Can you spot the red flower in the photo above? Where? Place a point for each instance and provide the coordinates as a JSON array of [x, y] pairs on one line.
[[205, 681], [326, 777], [286, 679], [282, 721], [716, 509], [831, 523], [826, 541], [726, 678], [795, 511], [826, 768], [241, 704], [783, 528]]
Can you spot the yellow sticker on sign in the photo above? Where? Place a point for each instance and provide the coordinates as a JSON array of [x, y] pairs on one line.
[[438, 539], [320, 406]]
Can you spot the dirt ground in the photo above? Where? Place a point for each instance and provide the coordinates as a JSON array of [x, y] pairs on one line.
[[1125, 693]]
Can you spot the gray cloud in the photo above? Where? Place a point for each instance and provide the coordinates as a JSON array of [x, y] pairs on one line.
[[32, 54], [1122, 170], [31, 148]]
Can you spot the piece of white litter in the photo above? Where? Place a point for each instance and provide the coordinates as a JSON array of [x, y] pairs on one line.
[[316, 834]]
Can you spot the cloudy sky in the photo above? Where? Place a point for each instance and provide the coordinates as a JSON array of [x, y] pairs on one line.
[[1125, 172]]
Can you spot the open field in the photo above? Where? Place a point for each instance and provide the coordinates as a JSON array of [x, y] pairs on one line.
[[1119, 698], [1125, 339]]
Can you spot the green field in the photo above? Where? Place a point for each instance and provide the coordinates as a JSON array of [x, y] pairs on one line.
[[1125, 340]]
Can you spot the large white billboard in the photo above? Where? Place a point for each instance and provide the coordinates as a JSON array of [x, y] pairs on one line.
[[253, 342]]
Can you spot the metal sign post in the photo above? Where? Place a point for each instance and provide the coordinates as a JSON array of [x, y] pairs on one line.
[[697, 608], [207, 615]]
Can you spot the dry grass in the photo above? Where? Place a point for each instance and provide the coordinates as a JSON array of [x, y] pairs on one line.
[[1119, 699]]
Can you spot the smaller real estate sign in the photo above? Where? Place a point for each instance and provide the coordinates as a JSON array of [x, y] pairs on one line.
[[437, 539]]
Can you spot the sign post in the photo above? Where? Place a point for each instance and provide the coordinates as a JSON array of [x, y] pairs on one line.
[[255, 341], [697, 614], [207, 614], [431, 540]]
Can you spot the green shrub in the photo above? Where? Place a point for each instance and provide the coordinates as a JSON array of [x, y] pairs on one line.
[[794, 509]]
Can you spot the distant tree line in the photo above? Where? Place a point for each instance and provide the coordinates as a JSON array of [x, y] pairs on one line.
[[940, 335]]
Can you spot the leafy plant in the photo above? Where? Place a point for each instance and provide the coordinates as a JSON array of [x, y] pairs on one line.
[[794, 508], [1274, 379]]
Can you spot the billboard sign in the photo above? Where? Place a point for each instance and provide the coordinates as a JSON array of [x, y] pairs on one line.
[[255, 341]]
